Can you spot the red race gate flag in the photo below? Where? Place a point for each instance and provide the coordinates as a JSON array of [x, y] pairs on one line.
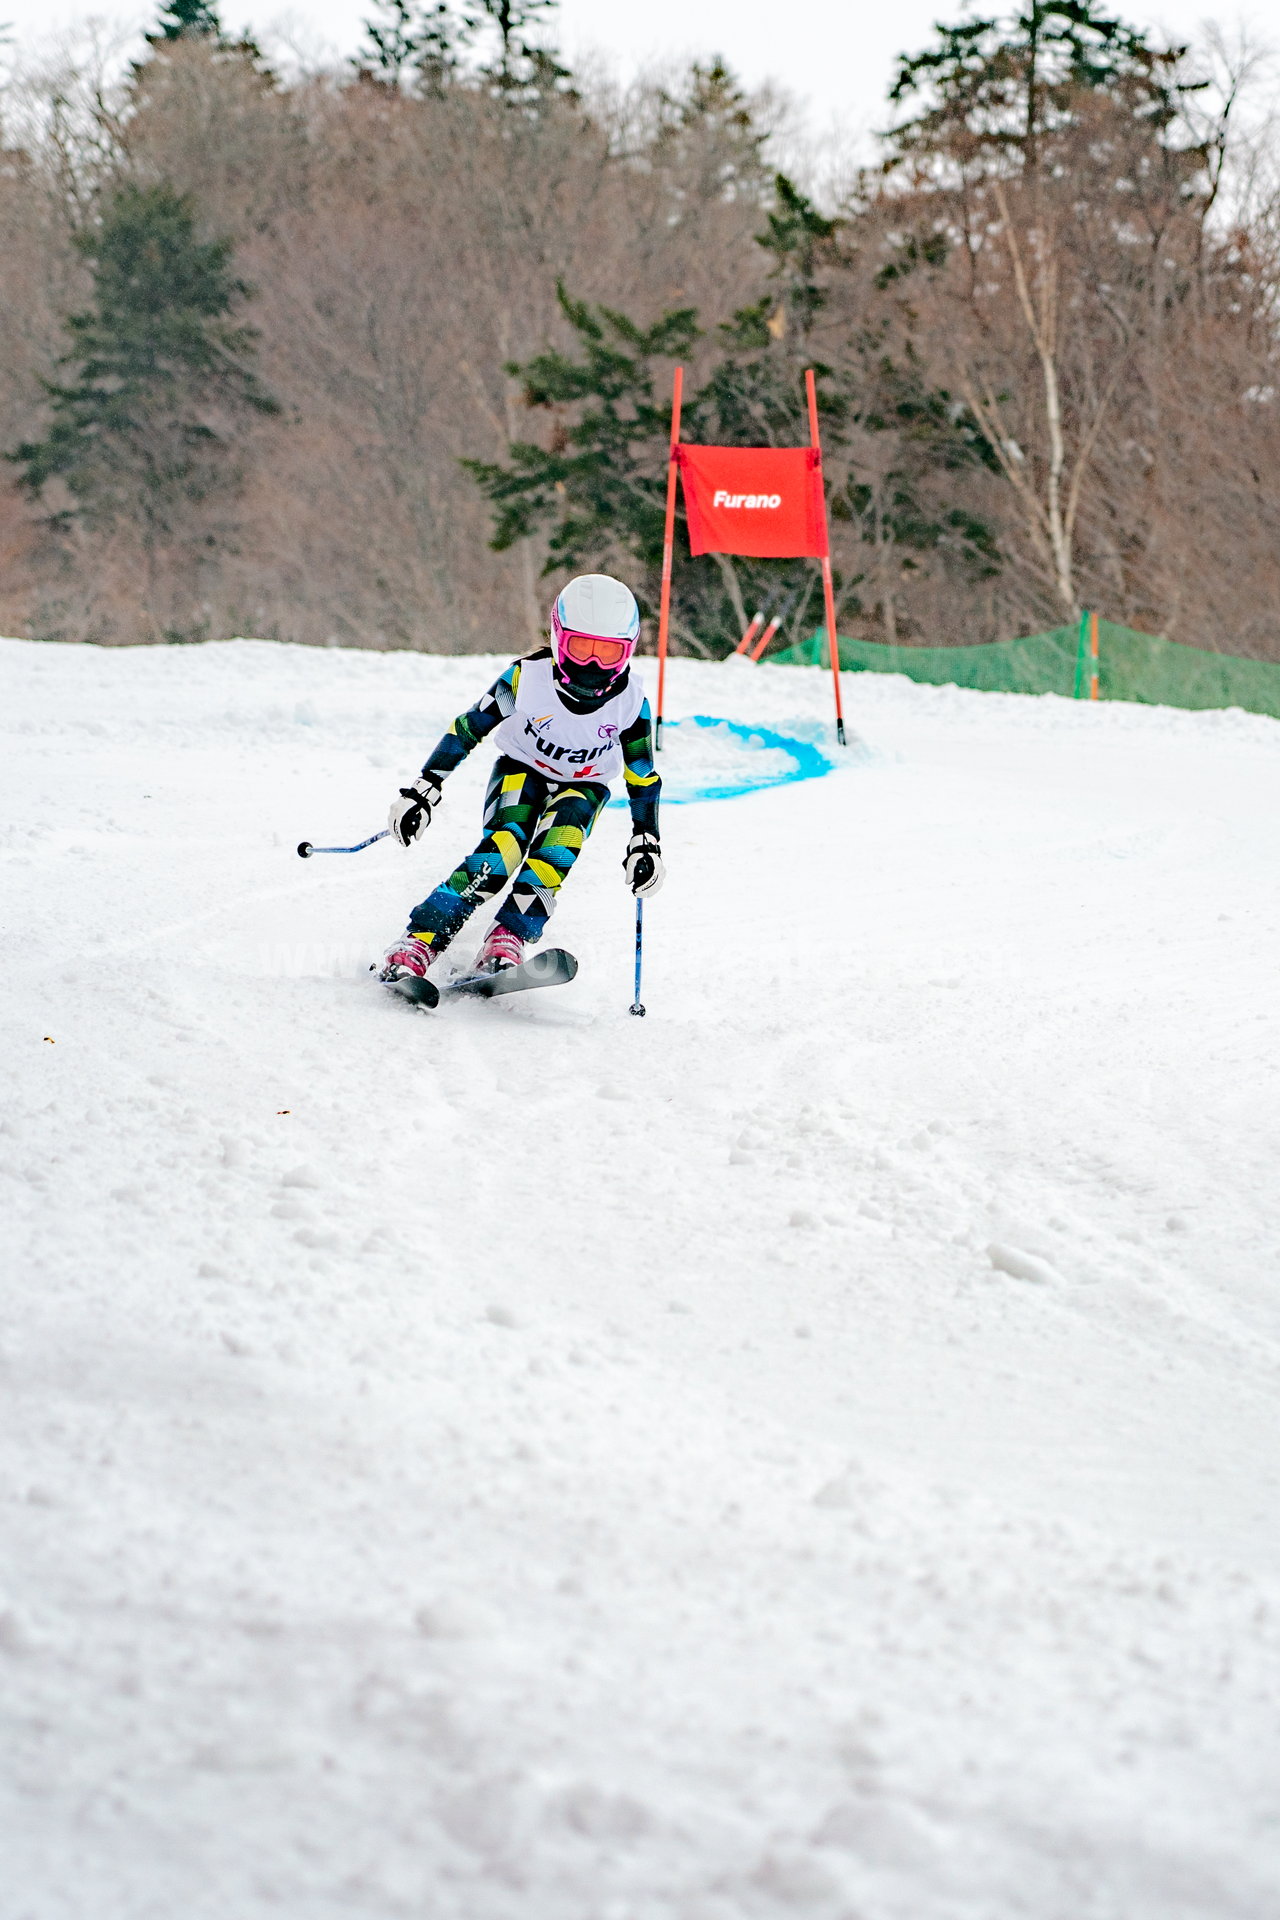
[[764, 502]]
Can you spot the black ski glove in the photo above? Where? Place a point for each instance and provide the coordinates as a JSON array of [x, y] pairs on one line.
[[410, 815], [643, 864]]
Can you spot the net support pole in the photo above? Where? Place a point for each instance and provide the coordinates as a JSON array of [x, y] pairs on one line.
[[668, 545], [828, 591], [1077, 692], [1093, 656]]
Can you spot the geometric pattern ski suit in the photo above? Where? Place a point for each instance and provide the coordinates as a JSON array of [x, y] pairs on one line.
[[534, 829], [535, 826]]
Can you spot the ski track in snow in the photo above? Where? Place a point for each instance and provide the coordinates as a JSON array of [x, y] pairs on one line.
[[811, 1452]]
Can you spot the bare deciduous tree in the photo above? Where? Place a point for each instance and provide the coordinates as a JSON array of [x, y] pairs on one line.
[[1086, 277]]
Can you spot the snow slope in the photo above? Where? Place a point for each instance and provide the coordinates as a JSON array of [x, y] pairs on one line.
[[812, 1452]]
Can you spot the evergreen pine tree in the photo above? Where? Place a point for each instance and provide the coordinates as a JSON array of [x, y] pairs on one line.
[[601, 484], [197, 20], [707, 142], [442, 37], [523, 70], [992, 88], [598, 489], [1055, 141], [187, 19], [393, 43], [414, 46], [144, 433]]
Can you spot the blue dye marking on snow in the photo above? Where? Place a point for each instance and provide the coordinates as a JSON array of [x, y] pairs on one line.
[[806, 761]]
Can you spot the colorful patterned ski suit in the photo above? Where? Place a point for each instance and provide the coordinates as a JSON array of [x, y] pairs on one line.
[[535, 825]]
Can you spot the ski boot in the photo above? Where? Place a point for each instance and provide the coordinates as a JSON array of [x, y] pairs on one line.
[[501, 949], [409, 956]]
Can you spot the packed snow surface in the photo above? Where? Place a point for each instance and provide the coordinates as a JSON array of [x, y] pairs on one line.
[[811, 1452]]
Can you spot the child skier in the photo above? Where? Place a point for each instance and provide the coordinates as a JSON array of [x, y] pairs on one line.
[[567, 720]]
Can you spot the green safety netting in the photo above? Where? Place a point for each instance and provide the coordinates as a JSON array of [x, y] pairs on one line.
[[1131, 666]]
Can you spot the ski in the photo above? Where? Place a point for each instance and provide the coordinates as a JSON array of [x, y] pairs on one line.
[[412, 987], [554, 968]]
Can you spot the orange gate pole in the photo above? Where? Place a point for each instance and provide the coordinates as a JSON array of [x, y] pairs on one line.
[[668, 542], [1093, 653], [753, 627], [762, 644], [833, 645]]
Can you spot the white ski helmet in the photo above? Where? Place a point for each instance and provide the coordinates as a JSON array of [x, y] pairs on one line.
[[595, 622]]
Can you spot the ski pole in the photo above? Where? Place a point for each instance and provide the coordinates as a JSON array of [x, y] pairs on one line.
[[305, 848], [636, 1006]]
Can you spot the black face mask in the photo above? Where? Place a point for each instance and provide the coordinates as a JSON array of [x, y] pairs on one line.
[[588, 687]]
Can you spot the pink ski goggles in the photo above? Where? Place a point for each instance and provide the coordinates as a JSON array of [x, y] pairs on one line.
[[585, 648]]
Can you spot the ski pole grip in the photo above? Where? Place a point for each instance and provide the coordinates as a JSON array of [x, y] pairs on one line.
[[304, 849]]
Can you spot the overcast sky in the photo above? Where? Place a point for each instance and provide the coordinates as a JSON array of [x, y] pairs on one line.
[[835, 56]]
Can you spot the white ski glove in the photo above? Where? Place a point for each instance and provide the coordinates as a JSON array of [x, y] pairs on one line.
[[643, 864], [410, 815]]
